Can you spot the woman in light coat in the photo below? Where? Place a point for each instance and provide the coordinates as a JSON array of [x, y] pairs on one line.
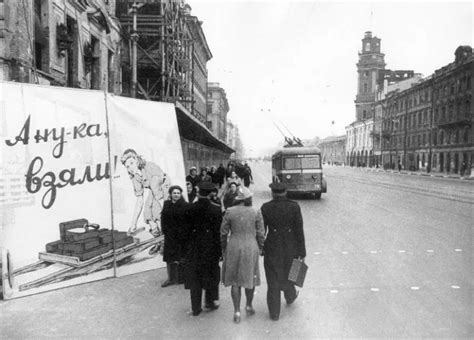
[[242, 238]]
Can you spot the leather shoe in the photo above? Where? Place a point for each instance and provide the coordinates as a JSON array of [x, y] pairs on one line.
[[237, 317], [212, 306], [249, 310], [289, 302], [167, 283], [274, 317], [196, 313]]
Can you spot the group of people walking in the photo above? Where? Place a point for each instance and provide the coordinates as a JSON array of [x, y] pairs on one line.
[[220, 176], [202, 232]]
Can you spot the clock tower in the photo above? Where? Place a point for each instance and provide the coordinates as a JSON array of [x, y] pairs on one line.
[[371, 62]]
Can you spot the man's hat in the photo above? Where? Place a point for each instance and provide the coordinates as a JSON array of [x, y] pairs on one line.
[[192, 168], [205, 188], [278, 187]]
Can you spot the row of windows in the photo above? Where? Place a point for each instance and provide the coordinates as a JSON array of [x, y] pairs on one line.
[[420, 118], [441, 138], [453, 87], [453, 111]]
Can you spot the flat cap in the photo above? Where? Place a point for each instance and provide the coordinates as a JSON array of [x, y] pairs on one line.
[[277, 186]]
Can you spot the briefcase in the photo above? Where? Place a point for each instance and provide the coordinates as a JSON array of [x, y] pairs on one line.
[[297, 272]]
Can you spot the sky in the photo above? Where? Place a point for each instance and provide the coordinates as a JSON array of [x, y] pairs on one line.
[[294, 62]]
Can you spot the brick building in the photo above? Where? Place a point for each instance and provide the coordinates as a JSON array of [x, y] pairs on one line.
[[61, 43], [217, 109]]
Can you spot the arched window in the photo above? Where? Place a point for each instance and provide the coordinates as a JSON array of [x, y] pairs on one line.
[[367, 46], [433, 138], [467, 109], [366, 88], [435, 118], [419, 139], [441, 137], [443, 113]]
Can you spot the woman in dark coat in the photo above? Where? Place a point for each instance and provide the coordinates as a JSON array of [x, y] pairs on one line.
[[173, 227]]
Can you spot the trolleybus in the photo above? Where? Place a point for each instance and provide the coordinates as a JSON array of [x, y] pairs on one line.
[[301, 169]]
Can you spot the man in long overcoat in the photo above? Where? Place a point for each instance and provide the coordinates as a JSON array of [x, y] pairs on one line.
[[203, 250], [285, 241]]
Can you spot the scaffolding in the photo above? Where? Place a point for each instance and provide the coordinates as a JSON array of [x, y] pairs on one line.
[[159, 64]]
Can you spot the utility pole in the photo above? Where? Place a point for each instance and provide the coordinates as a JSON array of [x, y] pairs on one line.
[[134, 38]]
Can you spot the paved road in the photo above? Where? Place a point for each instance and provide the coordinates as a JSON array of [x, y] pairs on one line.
[[390, 256]]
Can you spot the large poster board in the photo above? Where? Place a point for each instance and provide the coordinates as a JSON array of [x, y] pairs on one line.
[[66, 199]]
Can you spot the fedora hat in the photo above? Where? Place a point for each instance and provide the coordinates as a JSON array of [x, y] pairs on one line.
[[242, 194], [205, 188]]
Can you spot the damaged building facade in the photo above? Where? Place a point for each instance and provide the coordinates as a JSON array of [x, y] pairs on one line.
[[165, 55], [60, 43]]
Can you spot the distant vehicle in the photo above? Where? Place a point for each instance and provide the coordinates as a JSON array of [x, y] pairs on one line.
[[300, 168]]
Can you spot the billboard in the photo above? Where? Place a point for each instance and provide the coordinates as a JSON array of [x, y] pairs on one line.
[[83, 178]]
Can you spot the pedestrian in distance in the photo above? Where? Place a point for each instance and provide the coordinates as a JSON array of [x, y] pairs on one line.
[[284, 242], [220, 174], [192, 194], [213, 174], [462, 170], [173, 227], [214, 197], [230, 195], [232, 178], [193, 177], [247, 175], [203, 250], [230, 168], [204, 177], [242, 237]]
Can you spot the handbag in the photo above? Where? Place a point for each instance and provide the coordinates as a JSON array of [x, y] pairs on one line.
[[297, 272]]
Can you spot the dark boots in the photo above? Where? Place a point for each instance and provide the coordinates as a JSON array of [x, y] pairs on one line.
[[172, 268]]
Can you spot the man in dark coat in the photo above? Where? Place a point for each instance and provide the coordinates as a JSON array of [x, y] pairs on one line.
[[285, 241], [220, 174], [203, 250], [247, 175]]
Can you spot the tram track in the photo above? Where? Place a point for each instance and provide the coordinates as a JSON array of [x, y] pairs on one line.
[[461, 196]]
